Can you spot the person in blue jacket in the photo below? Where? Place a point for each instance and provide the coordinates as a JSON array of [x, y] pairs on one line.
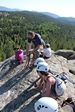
[[33, 46]]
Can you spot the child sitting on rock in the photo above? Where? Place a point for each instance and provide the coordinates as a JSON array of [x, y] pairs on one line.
[[19, 56], [46, 53]]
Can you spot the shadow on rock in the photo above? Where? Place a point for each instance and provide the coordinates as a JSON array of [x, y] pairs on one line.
[[7, 67], [14, 80], [30, 106], [17, 102]]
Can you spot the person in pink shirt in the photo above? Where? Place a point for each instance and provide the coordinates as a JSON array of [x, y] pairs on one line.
[[19, 56]]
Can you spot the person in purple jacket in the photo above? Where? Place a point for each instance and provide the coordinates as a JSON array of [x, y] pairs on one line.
[[19, 56]]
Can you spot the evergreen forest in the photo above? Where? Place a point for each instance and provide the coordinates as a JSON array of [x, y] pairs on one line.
[[15, 25]]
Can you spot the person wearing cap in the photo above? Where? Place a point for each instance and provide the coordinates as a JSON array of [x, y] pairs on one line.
[[47, 51], [35, 41], [46, 104], [47, 80]]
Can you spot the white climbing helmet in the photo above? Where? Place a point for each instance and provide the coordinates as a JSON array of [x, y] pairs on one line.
[[38, 60], [42, 67], [46, 104]]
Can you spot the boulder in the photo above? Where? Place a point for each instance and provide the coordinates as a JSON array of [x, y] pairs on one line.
[[17, 92], [72, 57], [69, 54], [58, 64], [71, 66]]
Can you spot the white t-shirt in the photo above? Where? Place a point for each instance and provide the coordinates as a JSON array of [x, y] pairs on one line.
[[47, 52]]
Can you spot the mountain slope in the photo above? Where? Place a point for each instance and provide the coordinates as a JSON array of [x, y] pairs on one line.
[[8, 9], [67, 20], [50, 14]]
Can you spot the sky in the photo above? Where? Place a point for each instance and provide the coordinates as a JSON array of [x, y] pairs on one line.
[[64, 8]]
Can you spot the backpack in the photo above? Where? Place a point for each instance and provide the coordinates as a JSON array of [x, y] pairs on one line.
[[59, 87]]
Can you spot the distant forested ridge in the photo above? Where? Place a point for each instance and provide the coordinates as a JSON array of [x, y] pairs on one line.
[[15, 25]]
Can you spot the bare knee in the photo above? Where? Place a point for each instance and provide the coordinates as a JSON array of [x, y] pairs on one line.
[[52, 80]]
